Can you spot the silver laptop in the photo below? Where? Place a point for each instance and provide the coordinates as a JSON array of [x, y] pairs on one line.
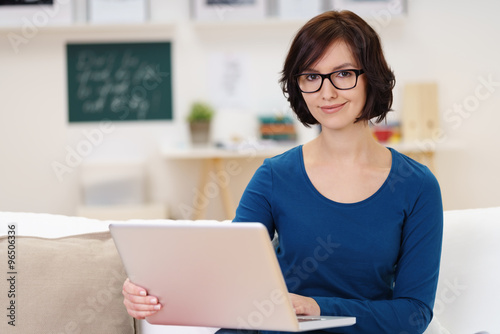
[[212, 275]]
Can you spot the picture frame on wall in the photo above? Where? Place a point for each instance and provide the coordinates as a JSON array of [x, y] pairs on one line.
[[117, 11], [373, 8], [25, 2], [225, 10], [119, 81], [35, 14], [299, 9]]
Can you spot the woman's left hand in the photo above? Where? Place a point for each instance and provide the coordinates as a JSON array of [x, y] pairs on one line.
[[304, 305]]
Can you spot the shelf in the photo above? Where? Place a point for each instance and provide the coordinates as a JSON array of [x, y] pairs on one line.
[[264, 24], [267, 24], [96, 28]]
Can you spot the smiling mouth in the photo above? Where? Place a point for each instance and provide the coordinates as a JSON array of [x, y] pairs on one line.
[[333, 108]]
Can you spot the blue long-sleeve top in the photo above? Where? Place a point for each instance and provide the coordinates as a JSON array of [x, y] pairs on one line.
[[377, 259]]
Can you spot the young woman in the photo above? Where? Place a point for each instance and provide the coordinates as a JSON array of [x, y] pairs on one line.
[[359, 225]]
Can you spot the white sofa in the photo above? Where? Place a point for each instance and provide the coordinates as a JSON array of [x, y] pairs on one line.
[[468, 295], [68, 277]]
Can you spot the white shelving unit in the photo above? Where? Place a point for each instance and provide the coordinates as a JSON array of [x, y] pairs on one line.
[[78, 28]]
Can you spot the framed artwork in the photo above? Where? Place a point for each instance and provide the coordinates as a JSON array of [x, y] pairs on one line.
[[117, 11], [223, 10], [35, 13], [373, 8], [299, 9]]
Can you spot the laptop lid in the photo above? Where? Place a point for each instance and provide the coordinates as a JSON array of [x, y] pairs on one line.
[[211, 275]]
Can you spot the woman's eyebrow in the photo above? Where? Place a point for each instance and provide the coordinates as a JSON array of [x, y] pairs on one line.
[[309, 70], [339, 67], [344, 65]]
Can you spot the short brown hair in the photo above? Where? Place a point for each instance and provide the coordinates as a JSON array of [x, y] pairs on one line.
[[311, 42]]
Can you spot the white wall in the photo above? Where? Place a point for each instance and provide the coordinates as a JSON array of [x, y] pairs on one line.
[[451, 42]]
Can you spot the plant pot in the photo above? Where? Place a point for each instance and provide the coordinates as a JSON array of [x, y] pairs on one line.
[[200, 132]]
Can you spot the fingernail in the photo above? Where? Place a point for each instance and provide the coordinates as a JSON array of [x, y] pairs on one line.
[[142, 293], [153, 301], [157, 307]]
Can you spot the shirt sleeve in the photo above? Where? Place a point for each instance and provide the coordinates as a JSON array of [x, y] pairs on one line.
[[255, 204], [416, 274]]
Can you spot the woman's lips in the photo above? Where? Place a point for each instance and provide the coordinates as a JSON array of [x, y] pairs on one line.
[[330, 109]]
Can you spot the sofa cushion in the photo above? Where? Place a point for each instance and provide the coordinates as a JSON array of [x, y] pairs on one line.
[[65, 285]]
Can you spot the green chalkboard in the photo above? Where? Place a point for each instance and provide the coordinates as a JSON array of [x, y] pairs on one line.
[[119, 81]]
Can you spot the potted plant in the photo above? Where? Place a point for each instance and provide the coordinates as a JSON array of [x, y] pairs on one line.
[[199, 119]]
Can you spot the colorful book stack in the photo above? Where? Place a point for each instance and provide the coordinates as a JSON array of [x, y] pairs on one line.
[[279, 128]]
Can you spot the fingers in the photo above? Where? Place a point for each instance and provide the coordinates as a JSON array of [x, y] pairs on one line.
[[304, 305], [141, 311], [297, 306], [133, 289], [139, 305]]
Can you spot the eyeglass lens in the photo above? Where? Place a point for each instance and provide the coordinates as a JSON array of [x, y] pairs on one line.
[[312, 82]]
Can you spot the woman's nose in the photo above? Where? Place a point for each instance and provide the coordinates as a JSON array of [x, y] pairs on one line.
[[328, 91]]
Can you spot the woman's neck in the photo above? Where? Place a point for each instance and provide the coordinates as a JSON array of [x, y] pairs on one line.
[[351, 144]]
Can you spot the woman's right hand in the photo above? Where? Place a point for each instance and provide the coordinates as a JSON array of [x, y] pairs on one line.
[[139, 305]]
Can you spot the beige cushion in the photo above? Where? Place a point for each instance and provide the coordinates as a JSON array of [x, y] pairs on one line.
[[65, 285]]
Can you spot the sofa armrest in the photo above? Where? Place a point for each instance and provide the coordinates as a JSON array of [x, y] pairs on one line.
[[69, 284], [468, 291]]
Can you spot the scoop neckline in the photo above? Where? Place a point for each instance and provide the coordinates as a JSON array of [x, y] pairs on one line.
[[362, 202]]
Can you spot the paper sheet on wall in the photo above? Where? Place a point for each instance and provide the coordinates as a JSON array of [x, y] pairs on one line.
[[228, 80]]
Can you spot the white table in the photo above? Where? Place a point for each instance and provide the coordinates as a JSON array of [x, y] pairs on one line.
[[213, 159]]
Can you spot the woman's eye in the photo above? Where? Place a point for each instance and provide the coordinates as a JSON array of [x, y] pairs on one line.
[[312, 77], [344, 74]]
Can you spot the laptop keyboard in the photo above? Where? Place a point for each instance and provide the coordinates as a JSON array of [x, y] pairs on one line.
[[303, 319]]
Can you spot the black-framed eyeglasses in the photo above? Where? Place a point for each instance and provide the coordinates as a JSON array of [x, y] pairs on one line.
[[342, 80]]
